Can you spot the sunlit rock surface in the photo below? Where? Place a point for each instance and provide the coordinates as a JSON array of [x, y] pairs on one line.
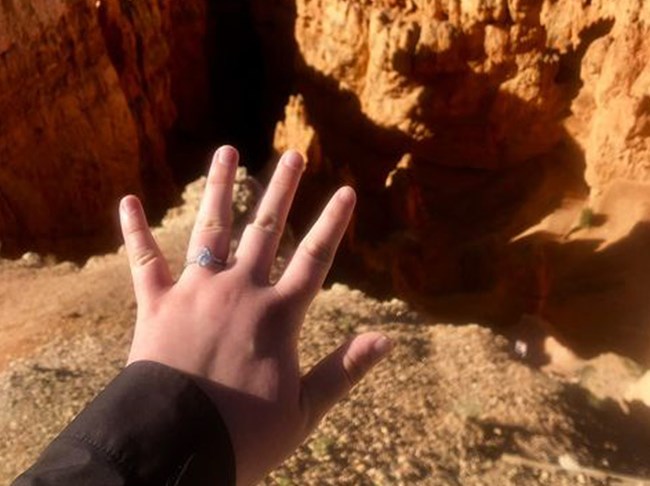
[[500, 149]]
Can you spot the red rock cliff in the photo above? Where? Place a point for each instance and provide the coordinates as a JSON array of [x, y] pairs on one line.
[[88, 92], [500, 149]]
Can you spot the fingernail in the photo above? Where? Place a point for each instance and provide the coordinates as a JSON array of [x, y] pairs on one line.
[[228, 156], [128, 205], [382, 346], [292, 159]]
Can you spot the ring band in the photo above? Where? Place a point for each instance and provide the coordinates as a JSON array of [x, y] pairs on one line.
[[205, 259]]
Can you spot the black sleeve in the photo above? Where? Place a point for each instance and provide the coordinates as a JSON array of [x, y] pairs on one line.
[[152, 425]]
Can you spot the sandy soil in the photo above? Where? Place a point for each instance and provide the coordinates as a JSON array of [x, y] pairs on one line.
[[452, 405]]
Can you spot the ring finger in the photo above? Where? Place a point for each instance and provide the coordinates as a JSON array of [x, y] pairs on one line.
[[214, 219]]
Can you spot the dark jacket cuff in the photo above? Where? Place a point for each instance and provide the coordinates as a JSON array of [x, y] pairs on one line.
[[152, 425]]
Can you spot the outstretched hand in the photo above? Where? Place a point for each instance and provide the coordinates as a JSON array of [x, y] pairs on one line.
[[233, 330]]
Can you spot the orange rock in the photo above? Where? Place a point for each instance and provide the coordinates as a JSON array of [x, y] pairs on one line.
[[86, 99], [510, 112]]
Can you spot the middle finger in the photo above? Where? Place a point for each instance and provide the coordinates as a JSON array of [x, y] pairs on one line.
[[261, 238]]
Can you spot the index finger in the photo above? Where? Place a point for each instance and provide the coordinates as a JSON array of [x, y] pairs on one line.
[[149, 268], [310, 264]]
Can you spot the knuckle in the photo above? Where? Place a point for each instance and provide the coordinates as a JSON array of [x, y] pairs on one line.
[[144, 257], [319, 252], [135, 230], [268, 222], [351, 369], [213, 225], [281, 296]]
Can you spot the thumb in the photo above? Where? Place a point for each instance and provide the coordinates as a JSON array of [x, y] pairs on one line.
[[334, 376]]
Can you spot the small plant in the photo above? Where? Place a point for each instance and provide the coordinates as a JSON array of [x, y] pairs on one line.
[[321, 447], [586, 218], [468, 408], [283, 481]]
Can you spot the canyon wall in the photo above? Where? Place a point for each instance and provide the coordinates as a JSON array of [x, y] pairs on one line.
[[447, 116], [500, 149], [88, 93], [484, 84]]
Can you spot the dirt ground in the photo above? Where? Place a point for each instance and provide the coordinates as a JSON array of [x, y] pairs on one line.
[[453, 405]]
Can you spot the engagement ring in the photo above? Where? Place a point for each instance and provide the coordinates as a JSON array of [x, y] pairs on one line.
[[206, 259]]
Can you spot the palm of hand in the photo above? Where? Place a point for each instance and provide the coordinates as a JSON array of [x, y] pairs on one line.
[[235, 332]]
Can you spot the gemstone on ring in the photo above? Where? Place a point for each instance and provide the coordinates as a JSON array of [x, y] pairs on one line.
[[205, 259]]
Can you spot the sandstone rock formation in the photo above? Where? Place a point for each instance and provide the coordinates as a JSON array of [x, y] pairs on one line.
[[499, 147], [455, 82], [434, 101], [88, 93], [611, 113], [463, 124]]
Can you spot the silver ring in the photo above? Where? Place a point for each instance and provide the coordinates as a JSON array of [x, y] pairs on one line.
[[205, 259]]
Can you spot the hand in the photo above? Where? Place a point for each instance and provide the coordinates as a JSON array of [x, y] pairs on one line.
[[233, 330]]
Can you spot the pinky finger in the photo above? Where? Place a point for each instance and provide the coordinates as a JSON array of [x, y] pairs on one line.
[[149, 268], [333, 377], [309, 266]]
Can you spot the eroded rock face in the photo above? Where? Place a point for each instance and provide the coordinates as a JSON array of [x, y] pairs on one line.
[[87, 99], [434, 101], [68, 140], [455, 81], [611, 113], [462, 124]]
